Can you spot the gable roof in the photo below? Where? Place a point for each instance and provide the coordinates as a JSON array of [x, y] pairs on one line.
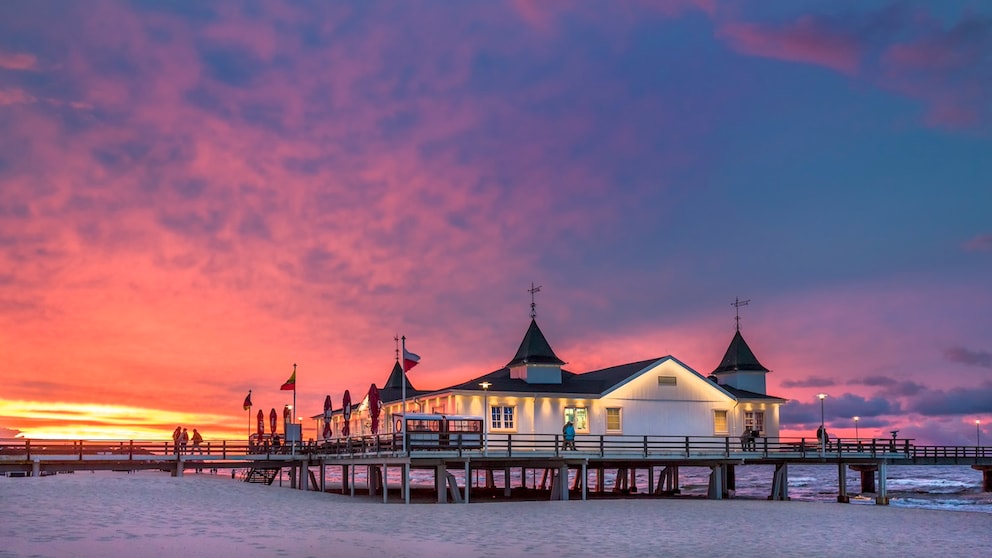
[[592, 384], [534, 349], [739, 357]]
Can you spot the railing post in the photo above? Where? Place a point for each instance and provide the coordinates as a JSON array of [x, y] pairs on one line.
[[687, 446], [556, 445], [907, 448], [645, 446], [509, 445], [27, 449], [130, 451], [873, 448], [802, 447], [726, 446], [765, 445], [602, 445], [223, 449]]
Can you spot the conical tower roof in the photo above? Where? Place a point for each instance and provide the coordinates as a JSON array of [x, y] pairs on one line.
[[739, 357], [534, 349], [395, 380]]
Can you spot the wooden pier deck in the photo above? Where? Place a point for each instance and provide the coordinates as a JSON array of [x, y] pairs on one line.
[[503, 452]]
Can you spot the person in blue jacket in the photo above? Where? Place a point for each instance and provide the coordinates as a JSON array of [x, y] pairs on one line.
[[569, 432]]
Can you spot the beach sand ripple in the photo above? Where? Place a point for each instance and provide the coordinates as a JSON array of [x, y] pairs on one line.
[[153, 514]]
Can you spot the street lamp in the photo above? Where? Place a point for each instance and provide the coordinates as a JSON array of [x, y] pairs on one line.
[[823, 431], [856, 435], [978, 433], [485, 417]]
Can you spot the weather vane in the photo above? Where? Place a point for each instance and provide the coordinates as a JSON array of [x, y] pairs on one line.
[[533, 305], [737, 303]]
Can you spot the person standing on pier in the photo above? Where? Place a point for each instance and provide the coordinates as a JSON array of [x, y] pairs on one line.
[[175, 439], [822, 437], [183, 440], [197, 440], [569, 433]]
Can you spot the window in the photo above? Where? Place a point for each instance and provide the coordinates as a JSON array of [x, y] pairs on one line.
[[502, 418], [579, 416], [755, 420], [666, 380], [720, 422], [613, 420]]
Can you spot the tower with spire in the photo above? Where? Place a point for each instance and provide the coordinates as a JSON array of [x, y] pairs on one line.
[[535, 361], [739, 368]]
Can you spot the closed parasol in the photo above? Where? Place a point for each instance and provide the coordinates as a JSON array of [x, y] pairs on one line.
[[327, 417], [375, 407], [272, 421], [287, 418], [346, 412], [261, 424]]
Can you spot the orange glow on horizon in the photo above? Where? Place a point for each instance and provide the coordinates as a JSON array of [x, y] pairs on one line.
[[74, 421]]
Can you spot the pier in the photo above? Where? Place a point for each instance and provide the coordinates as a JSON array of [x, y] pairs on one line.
[[533, 457]]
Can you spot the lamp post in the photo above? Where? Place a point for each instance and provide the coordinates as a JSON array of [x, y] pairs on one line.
[[978, 433], [856, 435], [823, 430], [485, 417]]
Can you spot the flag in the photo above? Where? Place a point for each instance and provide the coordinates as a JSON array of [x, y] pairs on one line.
[[248, 400], [290, 383], [410, 359]]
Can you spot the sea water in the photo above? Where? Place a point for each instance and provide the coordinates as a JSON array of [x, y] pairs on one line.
[[941, 487]]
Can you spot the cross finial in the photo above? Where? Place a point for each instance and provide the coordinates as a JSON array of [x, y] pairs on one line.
[[737, 303], [533, 305], [396, 338]]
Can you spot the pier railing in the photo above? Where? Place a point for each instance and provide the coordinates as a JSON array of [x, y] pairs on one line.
[[493, 445]]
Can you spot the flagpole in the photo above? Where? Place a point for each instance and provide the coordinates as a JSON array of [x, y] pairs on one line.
[[403, 360], [295, 410]]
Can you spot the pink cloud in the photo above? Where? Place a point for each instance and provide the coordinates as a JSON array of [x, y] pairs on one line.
[[15, 96], [807, 40], [980, 243], [17, 61], [947, 69]]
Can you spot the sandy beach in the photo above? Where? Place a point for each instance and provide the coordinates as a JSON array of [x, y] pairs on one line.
[[153, 514]]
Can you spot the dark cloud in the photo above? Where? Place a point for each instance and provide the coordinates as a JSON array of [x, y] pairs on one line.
[[192, 223], [971, 358], [891, 386], [956, 401], [812, 381], [253, 225], [233, 67], [840, 409]]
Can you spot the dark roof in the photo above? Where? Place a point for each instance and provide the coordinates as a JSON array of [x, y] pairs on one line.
[[739, 357], [534, 349], [392, 390], [596, 382], [745, 394]]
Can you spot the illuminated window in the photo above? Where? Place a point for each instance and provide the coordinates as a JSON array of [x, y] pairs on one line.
[[755, 420], [579, 416], [720, 422], [502, 417], [613, 420]]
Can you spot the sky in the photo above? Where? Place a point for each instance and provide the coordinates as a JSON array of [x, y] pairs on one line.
[[195, 196]]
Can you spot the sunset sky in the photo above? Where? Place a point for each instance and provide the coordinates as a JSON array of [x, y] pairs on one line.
[[194, 196]]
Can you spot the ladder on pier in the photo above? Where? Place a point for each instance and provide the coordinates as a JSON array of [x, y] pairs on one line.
[[262, 475]]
